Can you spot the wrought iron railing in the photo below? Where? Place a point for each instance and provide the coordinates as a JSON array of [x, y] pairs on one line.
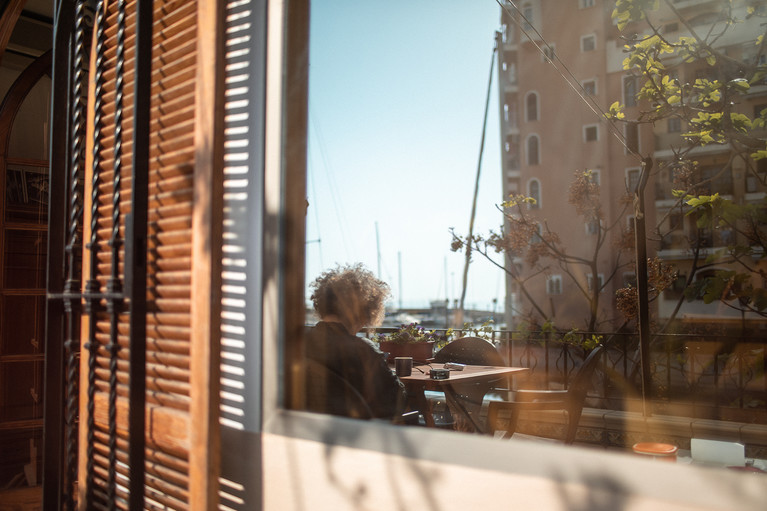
[[699, 376]]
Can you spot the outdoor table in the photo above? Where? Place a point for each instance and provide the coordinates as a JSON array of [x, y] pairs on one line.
[[420, 381]]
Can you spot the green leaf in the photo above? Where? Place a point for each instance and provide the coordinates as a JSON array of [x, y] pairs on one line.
[[615, 111], [740, 84]]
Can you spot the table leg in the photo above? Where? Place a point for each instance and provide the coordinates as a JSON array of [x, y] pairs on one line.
[[455, 402], [419, 402]]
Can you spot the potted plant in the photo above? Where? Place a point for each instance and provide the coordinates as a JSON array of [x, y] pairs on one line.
[[410, 340]]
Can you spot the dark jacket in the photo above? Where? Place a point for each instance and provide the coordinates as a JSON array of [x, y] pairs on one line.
[[361, 364]]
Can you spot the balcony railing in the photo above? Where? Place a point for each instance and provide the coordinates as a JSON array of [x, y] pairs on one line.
[[697, 376]]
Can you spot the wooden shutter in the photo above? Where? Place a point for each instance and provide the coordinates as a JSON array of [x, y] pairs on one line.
[[183, 207]]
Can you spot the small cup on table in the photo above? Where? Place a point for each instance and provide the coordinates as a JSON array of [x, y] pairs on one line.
[[403, 366]]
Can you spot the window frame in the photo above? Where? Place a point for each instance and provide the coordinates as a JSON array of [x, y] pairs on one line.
[[631, 100], [586, 37], [554, 285], [538, 199], [537, 152], [548, 52], [528, 13], [584, 85], [323, 449], [628, 172], [537, 105], [592, 227], [600, 282], [626, 129], [588, 128]]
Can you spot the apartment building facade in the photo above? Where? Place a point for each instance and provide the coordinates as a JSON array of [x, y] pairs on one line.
[[561, 67]]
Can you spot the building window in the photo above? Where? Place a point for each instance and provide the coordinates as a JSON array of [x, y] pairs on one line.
[[715, 180], [592, 227], [527, 15], [534, 191], [594, 177], [600, 281], [554, 285], [754, 180], [590, 87], [632, 138], [630, 90], [752, 185], [531, 106], [629, 279], [676, 221], [677, 288], [630, 226], [538, 235], [591, 133], [533, 150], [632, 179], [674, 125], [584, 4], [510, 144], [588, 43], [549, 51]]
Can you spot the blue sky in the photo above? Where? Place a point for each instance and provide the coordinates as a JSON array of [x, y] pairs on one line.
[[396, 104]]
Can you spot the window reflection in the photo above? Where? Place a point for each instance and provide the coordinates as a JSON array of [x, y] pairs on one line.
[[392, 167]]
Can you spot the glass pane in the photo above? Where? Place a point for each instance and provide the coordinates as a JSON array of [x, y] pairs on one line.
[[25, 258], [23, 325], [26, 194], [396, 120], [29, 135], [21, 390]]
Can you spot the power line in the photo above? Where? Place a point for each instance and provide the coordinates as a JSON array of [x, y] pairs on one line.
[[589, 101], [342, 222]]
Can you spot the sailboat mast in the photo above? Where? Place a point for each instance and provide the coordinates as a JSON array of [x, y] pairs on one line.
[[399, 275], [459, 312], [378, 252]]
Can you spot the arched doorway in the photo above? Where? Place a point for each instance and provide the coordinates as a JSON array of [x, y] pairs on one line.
[[24, 114]]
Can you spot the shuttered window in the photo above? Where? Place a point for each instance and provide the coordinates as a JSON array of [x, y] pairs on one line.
[[182, 257]]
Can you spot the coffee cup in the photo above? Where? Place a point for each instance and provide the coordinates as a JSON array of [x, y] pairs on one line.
[[403, 366]]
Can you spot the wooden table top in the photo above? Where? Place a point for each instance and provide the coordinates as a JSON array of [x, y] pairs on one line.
[[470, 373]]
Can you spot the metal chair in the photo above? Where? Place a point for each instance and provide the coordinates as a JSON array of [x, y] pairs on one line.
[[570, 400], [470, 350], [469, 396]]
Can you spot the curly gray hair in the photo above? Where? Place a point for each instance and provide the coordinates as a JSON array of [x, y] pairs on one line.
[[352, 293]]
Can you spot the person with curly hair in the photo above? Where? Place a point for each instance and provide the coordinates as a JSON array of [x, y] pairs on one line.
[[348, 298]]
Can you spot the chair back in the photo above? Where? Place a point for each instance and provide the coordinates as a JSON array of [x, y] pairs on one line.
[[580, 383], [329, 392], [470, 350]]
